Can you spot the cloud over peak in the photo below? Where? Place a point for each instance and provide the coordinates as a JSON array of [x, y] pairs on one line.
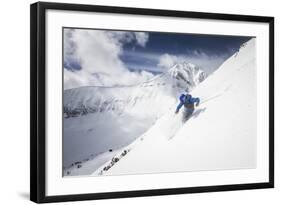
[[208, 63]]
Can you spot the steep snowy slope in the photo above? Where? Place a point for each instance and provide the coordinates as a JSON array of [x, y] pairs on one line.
[[99, 121], [221, 134]]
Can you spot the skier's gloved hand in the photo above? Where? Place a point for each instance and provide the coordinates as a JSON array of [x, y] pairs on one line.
[[176, 111], [197, 104]]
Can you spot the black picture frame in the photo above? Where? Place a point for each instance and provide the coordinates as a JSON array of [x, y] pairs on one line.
[[38, 101]]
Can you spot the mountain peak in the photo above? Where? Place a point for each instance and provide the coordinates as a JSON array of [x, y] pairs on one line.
[[186, 75]]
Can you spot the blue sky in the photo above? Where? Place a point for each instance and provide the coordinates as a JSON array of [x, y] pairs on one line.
[[219, 48], [118, 53]]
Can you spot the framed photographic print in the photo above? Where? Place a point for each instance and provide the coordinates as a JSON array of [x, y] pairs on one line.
[[129, 102]]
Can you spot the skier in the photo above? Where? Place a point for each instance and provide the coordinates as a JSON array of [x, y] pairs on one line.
[[188, 101]]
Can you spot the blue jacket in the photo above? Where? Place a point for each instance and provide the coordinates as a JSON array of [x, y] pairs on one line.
[[187, 99]]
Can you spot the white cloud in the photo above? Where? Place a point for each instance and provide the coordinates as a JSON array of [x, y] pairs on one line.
[[208, 63], [98, 53], [73, 79], [166, 61], [141, 38]]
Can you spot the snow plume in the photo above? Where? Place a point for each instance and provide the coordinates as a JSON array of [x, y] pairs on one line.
[[97, 55], [206, 62]]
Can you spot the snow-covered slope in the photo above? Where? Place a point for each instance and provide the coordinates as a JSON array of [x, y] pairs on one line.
[[221, 134], [98, 121]]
